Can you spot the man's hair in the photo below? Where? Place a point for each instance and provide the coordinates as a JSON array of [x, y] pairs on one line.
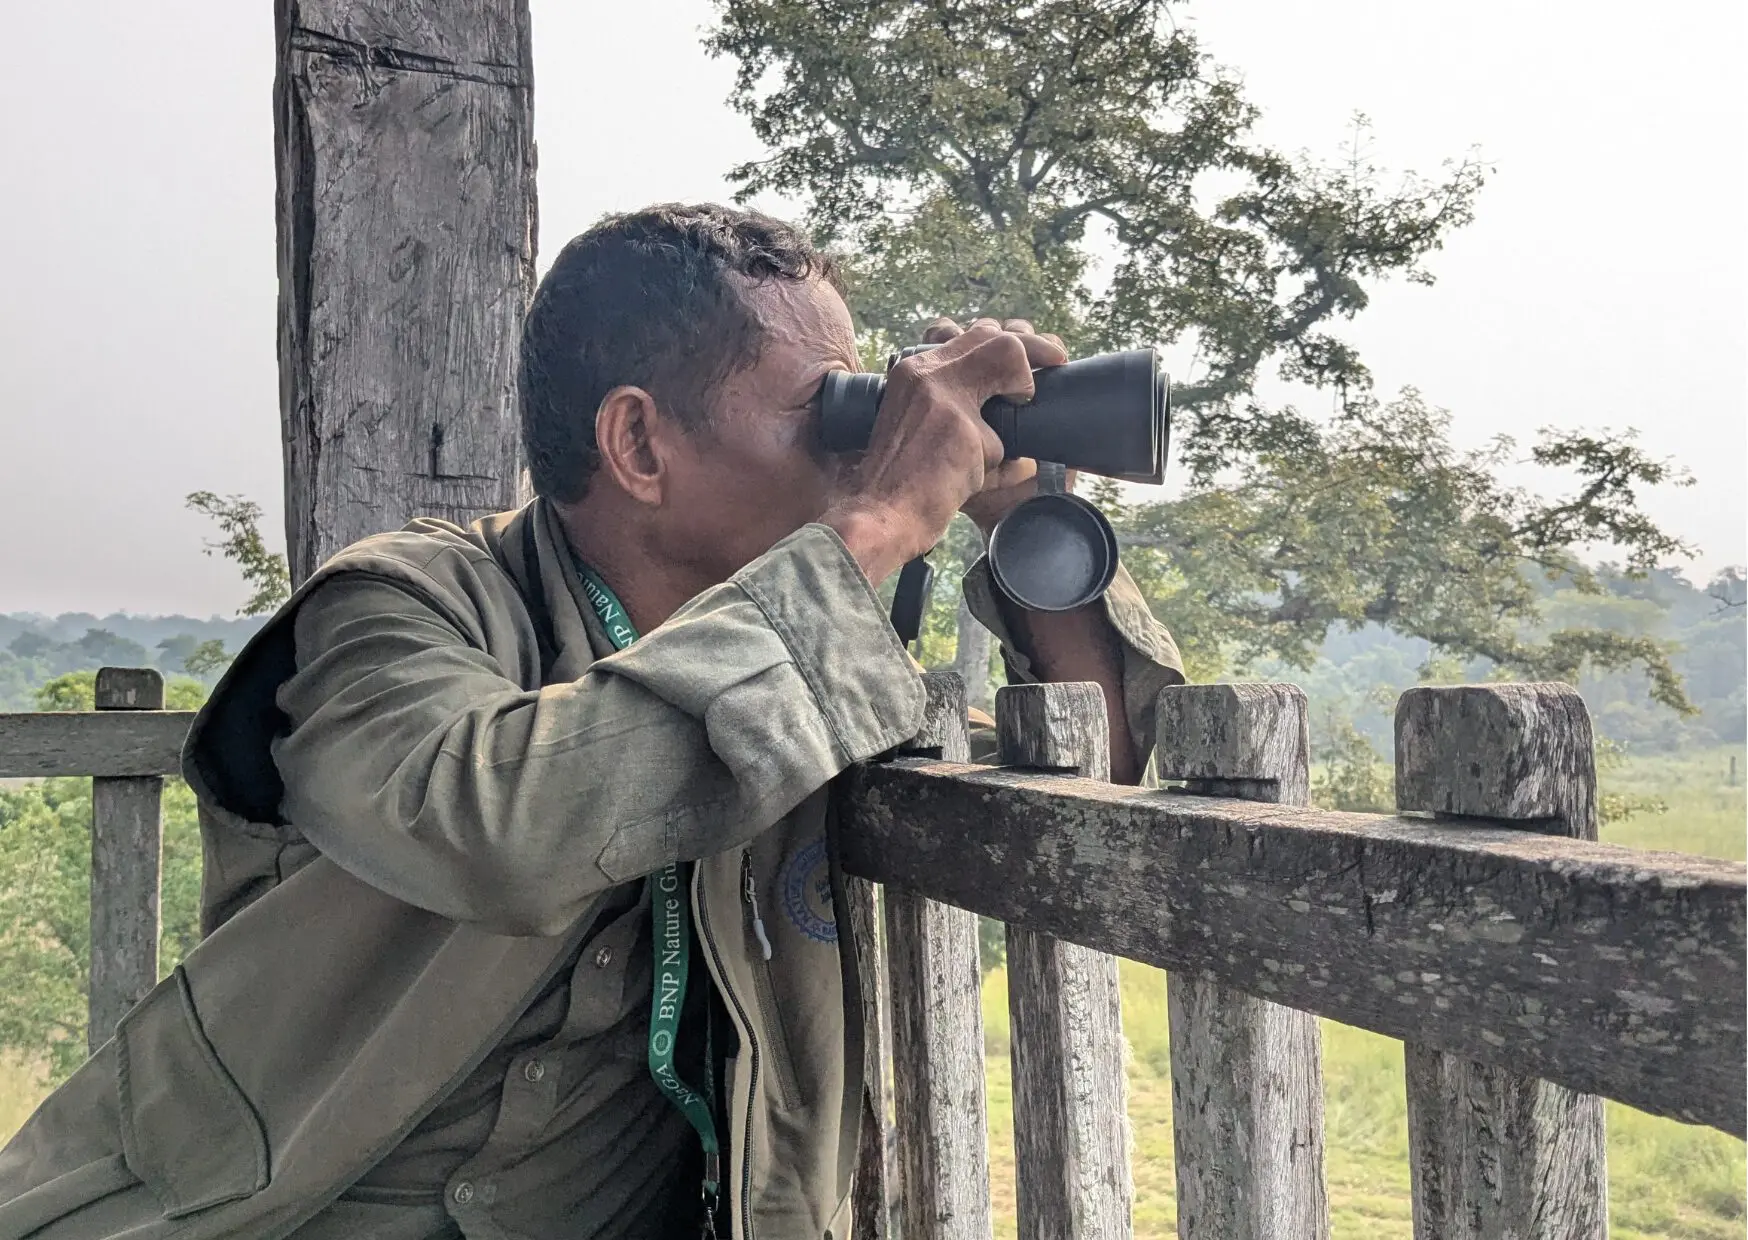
[[654, 299]]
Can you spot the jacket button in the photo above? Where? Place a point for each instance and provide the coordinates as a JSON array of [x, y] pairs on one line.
[[533, 1070], [604, 957], [463, 1193]]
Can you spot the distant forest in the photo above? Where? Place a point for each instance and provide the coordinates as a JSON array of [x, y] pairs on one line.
[[1356, 680]]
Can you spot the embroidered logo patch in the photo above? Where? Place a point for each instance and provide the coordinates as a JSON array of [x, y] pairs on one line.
[[807, 893]]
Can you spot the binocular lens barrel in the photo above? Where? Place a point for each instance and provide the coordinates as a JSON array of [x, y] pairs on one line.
[[1108, 415]]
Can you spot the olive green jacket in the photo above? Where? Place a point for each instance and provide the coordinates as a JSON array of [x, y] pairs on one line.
[[388, 885]]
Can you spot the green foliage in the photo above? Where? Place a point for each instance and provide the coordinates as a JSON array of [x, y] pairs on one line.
[[239, 522], [45, 919], [207, 659], [78, 691], [966, 153], [1376, 518], [992, 945], [1350, 776], [972, 156], [74, 691]]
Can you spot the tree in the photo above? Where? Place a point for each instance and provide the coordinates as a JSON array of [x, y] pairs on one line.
[[239, 521], [976, 157]]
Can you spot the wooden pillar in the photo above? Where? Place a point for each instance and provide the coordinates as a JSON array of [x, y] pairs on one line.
[[1246, 1074], [404, 145], [126, 853], [937, 1031], [1493, 1153], [1071, 1126]]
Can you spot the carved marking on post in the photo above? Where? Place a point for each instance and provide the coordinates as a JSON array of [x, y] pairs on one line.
[[1493, 1153], [126, 847], [1071, 1155], [1246, 1074], [937, 1031]]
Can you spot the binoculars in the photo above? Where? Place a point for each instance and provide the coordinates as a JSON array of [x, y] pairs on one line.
[[1107, 415]]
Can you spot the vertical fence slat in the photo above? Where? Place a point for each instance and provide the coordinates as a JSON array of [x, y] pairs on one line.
[[1493, 1153], [937, 1031], [1246, 1074], [1071, 1157], [869, 1214], [126, 845]]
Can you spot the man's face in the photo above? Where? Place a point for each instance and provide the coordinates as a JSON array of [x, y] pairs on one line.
[[759, 472]]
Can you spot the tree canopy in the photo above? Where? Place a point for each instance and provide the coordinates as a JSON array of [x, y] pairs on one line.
[[1086, 165]]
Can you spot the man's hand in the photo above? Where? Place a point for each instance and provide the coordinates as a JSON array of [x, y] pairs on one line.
[[1016, 481], [931, 450]]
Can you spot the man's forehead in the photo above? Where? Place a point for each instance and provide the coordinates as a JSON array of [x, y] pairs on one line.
[[807, 314]]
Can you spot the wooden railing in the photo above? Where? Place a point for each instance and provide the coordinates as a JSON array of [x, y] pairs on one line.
[[1530, 970]]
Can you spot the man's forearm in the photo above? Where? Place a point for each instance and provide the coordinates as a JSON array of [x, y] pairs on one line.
[[1080, 645]]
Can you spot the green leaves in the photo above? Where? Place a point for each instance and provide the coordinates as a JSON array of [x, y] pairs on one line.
[[239, 521], [975, 157], [1378, 519], [45, 912]]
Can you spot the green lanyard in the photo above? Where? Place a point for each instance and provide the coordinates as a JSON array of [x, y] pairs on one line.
[[671, 928]]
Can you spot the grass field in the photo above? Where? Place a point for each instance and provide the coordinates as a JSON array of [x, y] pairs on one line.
[[1665, 1179]]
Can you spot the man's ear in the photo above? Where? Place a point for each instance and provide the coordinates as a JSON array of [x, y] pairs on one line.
[[630, 431]]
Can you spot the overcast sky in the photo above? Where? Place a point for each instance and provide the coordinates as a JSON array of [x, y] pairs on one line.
[[1603, 283]]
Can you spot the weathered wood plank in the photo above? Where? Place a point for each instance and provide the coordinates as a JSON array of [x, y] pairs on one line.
[[1609, 970], [937, 1031], [861, 918], [404, 144], [126, 850], [1071, 1128], [115, 743], [1246, 1074], [1492, 1152]]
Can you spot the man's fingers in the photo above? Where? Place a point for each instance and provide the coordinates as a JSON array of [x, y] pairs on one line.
[[1043, 350], [1022, 326], [999, 362], [941, 330]]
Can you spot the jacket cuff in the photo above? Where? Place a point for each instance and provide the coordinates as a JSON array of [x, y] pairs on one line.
[[1151, 660], [817, 600]]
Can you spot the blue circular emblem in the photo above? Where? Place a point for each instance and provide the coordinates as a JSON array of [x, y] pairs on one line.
[[807, 893]]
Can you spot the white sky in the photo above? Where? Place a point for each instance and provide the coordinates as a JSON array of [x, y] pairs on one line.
[[1603, 283]]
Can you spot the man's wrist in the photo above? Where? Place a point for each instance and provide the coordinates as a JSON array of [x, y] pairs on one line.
[[874, 537]]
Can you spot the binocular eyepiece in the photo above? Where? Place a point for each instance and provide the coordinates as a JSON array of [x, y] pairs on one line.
[[1108, 415]]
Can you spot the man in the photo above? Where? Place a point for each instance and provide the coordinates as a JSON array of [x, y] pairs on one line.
[[453, 803]]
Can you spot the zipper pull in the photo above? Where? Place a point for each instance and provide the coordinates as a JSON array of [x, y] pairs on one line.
[[750, 894]]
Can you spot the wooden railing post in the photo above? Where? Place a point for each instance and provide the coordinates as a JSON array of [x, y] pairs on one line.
[[1493, 1153], [1071, 1156], [126, 846], [1246, 1074], [937, 1031]]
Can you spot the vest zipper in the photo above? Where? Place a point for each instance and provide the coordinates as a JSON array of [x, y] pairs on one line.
[[764, 993], [750, 893], [746, 1161]]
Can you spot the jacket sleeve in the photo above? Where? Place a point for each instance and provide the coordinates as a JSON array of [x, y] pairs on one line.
[[417, 763], [1150, 656]]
